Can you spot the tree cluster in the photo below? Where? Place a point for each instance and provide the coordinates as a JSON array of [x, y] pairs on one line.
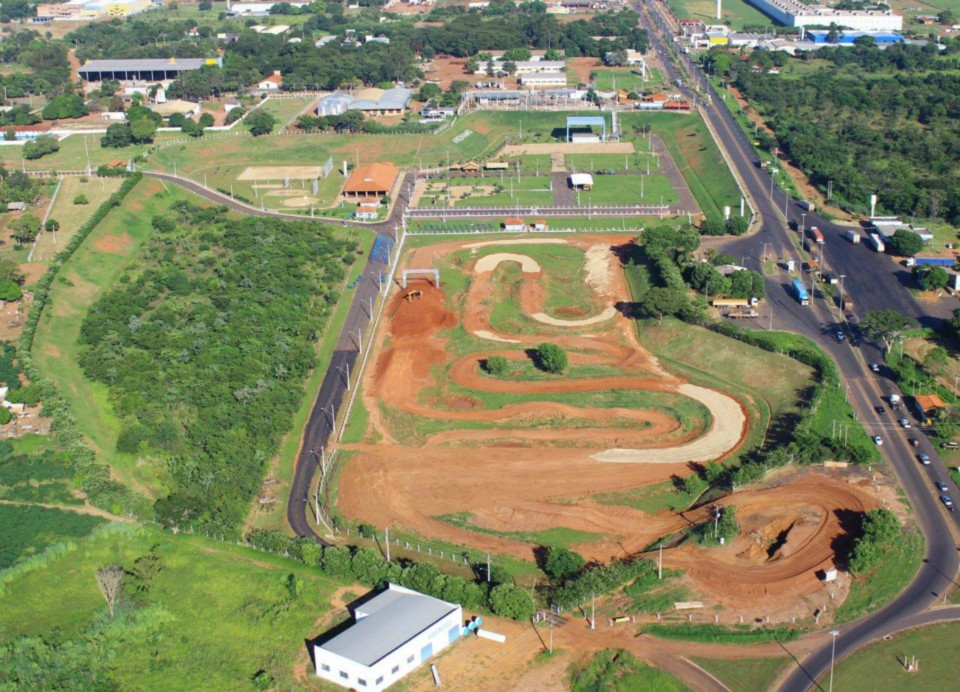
[[880, 529], [205, 344], [41, 146], [369, 567]]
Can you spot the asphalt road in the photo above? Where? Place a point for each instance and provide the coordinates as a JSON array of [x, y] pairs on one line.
[[874, 283]]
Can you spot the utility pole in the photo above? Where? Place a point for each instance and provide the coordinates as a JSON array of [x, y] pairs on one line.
[[716, 520], [386, 539], [593, 612], [488, 568], [660, 564]]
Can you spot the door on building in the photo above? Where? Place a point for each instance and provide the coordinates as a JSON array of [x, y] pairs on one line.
[[454, 633], [426, 652]]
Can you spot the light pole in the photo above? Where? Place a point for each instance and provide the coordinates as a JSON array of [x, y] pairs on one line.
[[842, 277], [803, 224], [833, 656]]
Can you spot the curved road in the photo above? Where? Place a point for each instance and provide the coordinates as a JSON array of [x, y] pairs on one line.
[[875, 284]]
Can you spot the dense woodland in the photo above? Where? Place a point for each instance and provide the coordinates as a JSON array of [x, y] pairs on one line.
[[205, 344], [885, 122]]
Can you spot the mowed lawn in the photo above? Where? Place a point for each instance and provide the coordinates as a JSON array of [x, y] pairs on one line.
[[92, 269], [218, 613], [72, 216], [629, 189], [693, 150], [736, 13], [76, 150], [879, 666], [624, 78], [745, 674]]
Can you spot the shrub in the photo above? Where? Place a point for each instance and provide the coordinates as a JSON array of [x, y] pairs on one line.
[[81, 199], [551, 358], [496, 365], [561, 564]]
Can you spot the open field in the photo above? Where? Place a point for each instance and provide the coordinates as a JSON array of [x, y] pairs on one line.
[[736, 13], [745, 674], [92, 269], [616, 189], [72, 216], [76, 150], [285, 111], [625, 78], [216, 612], [880, 666]]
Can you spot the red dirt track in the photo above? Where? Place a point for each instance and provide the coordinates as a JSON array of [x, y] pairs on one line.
[[527, 466]]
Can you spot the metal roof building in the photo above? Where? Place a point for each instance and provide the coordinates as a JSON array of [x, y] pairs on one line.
[[150, 70], [392, 634]]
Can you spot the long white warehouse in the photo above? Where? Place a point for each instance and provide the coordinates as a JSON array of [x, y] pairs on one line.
[[795, 13]]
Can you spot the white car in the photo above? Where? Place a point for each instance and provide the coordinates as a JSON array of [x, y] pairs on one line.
[[874, 367], [904, 423], [877, 440]]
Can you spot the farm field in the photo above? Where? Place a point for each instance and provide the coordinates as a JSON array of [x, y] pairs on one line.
[[736, 13], [215, 611]]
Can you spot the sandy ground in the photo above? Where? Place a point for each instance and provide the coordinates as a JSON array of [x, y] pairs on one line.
[[280, 172], [608, 314], [729, 425], [484, 334], [528, 265], [568, 148]]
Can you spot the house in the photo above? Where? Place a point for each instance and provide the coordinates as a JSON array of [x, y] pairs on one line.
[[271, 83], [927, 406], [581, 181], [515, 225], [370, 102], [16, 206], [366, 212], [676, 106], [392, 634], [375, 180], [540, 225], [468, 167]]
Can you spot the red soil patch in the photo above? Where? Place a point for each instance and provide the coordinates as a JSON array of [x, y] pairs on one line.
[[114, 244]]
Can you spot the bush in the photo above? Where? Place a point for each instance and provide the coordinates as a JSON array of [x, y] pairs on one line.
[[551, 358], [561, 564], [41, 146], [10, 290], [81, 199], [879, 530], [905, 243], [260, 123], [496, 365], [511, 601]]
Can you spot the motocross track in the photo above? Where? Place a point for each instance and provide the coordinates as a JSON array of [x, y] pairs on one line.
[[534, 465]]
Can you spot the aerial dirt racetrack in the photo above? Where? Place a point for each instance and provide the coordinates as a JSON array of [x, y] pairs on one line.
[[526, 466]]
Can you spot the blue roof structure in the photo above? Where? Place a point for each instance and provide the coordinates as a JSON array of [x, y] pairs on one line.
[[848, 37], [589, 121]]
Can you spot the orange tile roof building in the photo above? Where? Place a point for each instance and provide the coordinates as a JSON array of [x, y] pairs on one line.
[[375, 180]]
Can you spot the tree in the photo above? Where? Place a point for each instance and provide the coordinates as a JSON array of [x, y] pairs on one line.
[[713, 226], [551, 358], [81, 199], [511, 601], [26, 228], [694, 485], [51, 226], [932, 278], [905, 243], [561, 564], [143, 130], [428, 91], [496, 365], [5, 415], [885, 325], [205, 120], [41, 146], [936, 360], [879, 530], [659, 302], [10, 290], [737, 225], [10, 270], [118, 135], [110, 581], [260, 123], [947, 423]]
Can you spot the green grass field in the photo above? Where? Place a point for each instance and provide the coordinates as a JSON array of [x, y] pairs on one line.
[[880, 666], [74, 152], [878, 587], [72, 216], [625, 78], [216, 612], [737, 12], [696, 155], [285, 110], [745, 674], [91, 270], [615, 189]]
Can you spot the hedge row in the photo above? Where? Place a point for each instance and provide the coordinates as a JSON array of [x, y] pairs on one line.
[[92, 477]]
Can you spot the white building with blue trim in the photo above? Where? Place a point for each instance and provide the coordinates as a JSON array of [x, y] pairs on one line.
[[392, 634]]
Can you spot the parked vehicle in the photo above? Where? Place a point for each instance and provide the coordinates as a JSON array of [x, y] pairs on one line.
[[950, 445], [874, 241], [853, 237], [800, 292], [934, 261]]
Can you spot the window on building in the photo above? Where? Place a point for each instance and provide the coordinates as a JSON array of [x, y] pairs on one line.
[[343, 674], [379, 680], [410, 660], [361, 682], [324, 667], [396, 669]]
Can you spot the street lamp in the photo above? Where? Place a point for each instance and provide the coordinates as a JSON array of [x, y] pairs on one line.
[[803, 223], [842, 277], [833, 656]]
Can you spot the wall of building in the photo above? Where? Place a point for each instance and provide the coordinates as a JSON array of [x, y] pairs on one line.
[[394, 666]]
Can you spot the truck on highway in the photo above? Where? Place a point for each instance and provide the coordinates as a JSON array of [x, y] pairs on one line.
[[743, 313], [853, 237], [734, 302], [935, 261], [807, 206], [800, 292], [816, 236], [873, 240], [894, 399]]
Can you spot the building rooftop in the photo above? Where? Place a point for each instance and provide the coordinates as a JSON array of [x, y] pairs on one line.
[[372, 178], [157, 64], [386, 622]]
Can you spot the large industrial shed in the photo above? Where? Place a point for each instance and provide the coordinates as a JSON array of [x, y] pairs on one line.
[[393, 633], [142, 70]]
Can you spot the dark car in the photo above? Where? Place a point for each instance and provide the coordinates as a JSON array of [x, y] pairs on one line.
[[941, 486], [914, 442], [880, 410], [947, 502], [923, 459]]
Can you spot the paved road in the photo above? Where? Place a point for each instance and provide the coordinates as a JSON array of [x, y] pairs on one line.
[[874, 284]]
